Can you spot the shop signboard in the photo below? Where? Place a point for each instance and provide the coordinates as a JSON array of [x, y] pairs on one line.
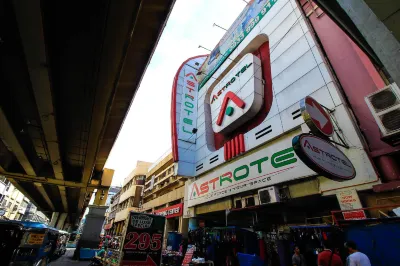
[[143, 240], [348, 200], [323, 157], [272, 164], [315, 116], [188, 102], [240, 29], [184, 111], [239, 96], [354, 215], [171, 211]]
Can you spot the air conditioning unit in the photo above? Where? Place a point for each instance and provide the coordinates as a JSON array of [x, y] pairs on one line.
[[385, 107], [237, 202], [250, 201], [269, 195]]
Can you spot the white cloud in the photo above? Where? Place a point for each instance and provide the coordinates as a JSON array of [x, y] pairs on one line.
[[146, 133]]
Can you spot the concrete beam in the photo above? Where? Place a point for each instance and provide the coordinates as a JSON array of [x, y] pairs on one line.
[[46, 197], [49, 181], [81, 202], [61, 221], [63, 198], [7, 134], [29, 17], [54, 218]]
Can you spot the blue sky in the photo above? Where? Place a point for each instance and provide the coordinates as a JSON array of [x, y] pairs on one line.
[[146, 133]]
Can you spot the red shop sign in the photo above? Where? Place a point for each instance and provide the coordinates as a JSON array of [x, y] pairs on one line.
[[171, 211], [107, 226], [354, 215]]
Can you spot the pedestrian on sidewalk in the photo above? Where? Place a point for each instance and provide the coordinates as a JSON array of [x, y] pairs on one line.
[[298, 258], [328, 257], [356, 258]]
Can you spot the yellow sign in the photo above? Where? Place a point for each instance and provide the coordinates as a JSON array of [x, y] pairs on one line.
[[35, 239]]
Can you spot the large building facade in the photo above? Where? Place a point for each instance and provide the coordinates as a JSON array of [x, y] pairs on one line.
[[237, 113], [109, 220], [12, 202], [164, 194], [130, 195]]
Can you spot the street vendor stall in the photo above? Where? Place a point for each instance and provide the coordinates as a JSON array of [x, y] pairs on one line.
[[221, 245]]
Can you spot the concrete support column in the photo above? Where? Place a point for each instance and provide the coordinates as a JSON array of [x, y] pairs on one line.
[[93, 225], [54, 218], [61, 221], [66, 227], [183, 226], [378, 36], [169, 225]]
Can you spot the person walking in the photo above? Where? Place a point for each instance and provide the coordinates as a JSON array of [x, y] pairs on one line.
[[298, 258], [356, 258], [328, 257]]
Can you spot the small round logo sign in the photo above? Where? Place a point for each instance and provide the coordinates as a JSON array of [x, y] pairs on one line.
[[2, 212], [324, 158], [315, 116]]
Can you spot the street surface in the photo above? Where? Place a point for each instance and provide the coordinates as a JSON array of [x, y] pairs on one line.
[[67, 260]]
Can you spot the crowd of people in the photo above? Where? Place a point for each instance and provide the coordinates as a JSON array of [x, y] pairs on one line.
[[331, 257]]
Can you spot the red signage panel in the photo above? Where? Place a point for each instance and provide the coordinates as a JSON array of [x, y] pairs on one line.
[[316, 117], [171, 211], [354, 215], [107, 226]]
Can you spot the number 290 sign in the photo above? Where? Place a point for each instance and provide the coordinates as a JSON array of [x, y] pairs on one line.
[[143, 240]]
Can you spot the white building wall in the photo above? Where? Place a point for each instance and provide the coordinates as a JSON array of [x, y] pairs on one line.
[[298, 70]]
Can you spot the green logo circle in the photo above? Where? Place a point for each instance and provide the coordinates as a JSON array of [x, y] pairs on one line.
[[229, 111]]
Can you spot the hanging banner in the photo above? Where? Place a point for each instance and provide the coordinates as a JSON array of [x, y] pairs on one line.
[[243, 25], [143, 240]]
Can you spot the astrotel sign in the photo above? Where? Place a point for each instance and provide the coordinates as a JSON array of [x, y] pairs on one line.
[[323, 157], [316, 118], [238, 97]]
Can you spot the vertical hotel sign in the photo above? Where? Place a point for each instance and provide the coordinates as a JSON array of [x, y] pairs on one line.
[[243, 25], [188, 114]]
